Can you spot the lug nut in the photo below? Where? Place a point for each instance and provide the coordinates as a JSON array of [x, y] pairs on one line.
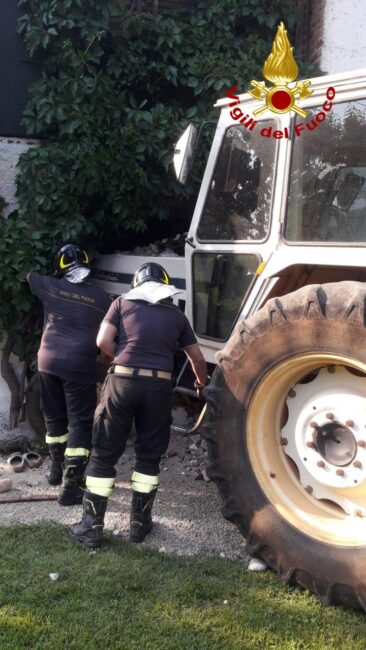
[[284, 442], [357, 464], [292, 393], [314, 425], [310, 444], [361, 443], [309, 489], [349, 423], [340, 472], [329, 416], [331, 369], [321, 463], [358, 513]]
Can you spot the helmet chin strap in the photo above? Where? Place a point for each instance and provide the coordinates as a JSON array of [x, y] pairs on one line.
[[76, 276]]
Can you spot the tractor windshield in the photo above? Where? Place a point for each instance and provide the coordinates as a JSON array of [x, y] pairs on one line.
[[238, 204], [327, 196]]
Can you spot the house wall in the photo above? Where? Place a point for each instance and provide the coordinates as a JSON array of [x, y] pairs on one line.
[[344, 36], [316, 31], [24, 429], [330, 34], [10, 150]]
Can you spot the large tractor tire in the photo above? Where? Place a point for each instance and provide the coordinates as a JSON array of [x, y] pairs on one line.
[[286, 433]]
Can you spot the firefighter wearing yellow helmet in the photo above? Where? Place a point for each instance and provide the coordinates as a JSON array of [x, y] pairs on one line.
[[73, 310], [140, 333]]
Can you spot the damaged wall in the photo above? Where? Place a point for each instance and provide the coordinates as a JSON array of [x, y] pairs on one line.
[[10, 150]]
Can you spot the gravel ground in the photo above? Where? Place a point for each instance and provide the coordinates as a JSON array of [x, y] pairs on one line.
[[186, 512]]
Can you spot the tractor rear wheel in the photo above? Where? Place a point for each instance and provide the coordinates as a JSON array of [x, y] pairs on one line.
[[286, 433]]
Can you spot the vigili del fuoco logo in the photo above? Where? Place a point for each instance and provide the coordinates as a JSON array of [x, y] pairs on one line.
[[280, 68]]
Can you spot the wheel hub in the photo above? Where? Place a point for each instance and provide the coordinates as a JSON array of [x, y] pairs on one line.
[[336, 443], [325, 436]]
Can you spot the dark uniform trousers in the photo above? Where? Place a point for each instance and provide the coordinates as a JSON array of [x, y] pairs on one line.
[[68, 409], [124, 399]]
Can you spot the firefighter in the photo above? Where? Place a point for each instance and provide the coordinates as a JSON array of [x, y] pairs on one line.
[[73, 310], [140, 332]]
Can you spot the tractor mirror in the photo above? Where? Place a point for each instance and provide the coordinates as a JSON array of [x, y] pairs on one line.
[[184, 153], [348, 190]]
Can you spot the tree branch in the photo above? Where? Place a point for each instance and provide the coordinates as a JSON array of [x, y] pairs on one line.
[[8, 373], [30, 497]]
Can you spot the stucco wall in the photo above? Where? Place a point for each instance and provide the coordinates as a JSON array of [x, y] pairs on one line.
[[10, 150], [343, 36], [24, 429]]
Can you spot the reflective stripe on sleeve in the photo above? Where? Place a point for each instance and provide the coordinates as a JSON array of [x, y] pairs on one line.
[[56, 439], [77, 451], [144, 482], [101, 486]]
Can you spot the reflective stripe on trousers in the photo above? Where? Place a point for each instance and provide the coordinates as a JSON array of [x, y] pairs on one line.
[[52, 440], [101, 486], [77, 451], [144, 482]]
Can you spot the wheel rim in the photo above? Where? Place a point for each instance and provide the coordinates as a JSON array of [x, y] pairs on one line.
[[306, 439]]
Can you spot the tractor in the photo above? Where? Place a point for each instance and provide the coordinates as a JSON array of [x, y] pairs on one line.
[[274, 285]]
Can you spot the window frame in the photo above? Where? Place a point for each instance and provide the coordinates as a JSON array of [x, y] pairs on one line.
[[240, 309], [250, 242]]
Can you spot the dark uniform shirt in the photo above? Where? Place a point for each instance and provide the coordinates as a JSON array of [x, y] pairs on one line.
[[72, 315], [148, 334]]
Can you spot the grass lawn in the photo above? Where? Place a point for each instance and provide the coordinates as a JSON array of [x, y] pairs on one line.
[[127, 597]]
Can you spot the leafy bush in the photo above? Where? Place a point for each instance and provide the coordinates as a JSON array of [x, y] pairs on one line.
[[117, 88]]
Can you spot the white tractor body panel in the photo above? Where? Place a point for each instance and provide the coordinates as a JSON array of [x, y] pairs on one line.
[[114, 272]]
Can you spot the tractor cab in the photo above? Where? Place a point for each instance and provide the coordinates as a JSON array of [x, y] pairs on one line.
[[282, 203]]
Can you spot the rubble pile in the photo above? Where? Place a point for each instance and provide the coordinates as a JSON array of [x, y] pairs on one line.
[[196, 456], [191, 453], [168, 247]]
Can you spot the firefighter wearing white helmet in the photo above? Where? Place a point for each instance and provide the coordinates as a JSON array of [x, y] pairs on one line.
[[140, 333]]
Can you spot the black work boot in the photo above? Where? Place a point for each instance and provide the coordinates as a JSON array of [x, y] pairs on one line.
[[72, 492], [140, 517], [90, 529], [57, 453]]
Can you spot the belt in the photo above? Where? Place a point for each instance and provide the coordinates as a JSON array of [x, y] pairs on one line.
[[142, 372]]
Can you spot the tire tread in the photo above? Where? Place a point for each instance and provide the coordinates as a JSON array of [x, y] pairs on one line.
[[342, 303]]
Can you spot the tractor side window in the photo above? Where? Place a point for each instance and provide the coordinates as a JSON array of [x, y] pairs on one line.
[[238, 204], [220, 282], [327, 195]]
